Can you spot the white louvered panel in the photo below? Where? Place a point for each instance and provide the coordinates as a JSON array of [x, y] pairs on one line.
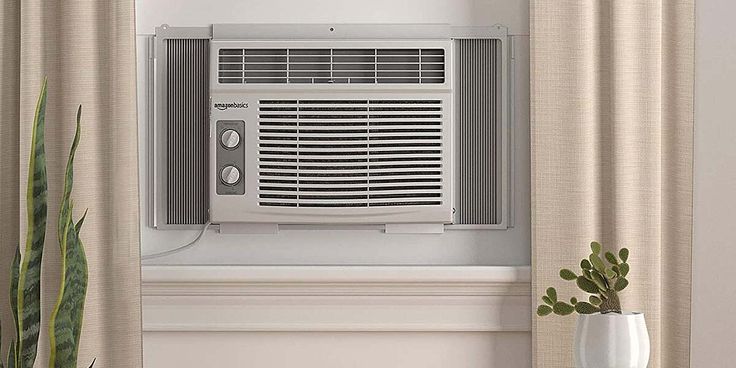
[[331, 65], [350, 153]]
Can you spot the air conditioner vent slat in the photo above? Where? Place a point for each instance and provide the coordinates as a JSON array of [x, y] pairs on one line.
[[350, 153], [331, 66]]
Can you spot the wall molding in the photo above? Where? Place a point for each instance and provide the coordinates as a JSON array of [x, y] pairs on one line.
[[336, 298]]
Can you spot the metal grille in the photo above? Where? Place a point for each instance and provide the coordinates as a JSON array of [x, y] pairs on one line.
[[342, 66], [479, 76], [187, 120], [350, 153]]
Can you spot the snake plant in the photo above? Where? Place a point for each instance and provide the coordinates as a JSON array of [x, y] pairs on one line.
[[25, 289], [597, 279]]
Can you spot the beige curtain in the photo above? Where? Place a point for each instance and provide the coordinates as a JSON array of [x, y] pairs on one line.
[[612, 125], [87, 50]]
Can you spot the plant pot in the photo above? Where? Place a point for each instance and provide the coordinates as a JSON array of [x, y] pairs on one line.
[[611, 340]]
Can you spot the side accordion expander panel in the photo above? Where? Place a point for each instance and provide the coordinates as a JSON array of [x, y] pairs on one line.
[[316, 124]]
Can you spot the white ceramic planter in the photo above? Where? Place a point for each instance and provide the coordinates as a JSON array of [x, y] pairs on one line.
[[611, 341]]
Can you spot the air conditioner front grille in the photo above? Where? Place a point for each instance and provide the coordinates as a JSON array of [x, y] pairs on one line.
[[331, 65], [350, 153]]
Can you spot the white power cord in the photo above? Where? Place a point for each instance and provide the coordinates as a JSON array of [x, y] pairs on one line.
[[178, 249]]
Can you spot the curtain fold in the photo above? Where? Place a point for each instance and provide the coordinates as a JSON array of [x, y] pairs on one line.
[[87, 50], [612, 129]]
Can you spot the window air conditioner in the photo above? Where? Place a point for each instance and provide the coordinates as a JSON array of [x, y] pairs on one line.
[[260, 126]]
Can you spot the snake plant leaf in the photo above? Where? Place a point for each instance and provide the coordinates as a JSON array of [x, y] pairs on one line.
[[585, 265], [29, 281], [542, 310], [563, 308], [568, 275], [65, 325], [596, 248], [621, 284], [595, 300], [552, 294], [586, 308], [547, 300], [623, 254], [624, 269], [11, 355], [611, 258], [587, 285], [14, 274]]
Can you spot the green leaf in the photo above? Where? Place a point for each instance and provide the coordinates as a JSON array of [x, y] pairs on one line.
[[552, 294], [573, 300], [29, 281], [563, 308], [624, 269], [65, 325], [610, 274], [14, 275], [586, 308], [623, 254], [542, 310], [11, 355], [621, 284], [568, 275], [588, 274], [585, 264], [597, 263], [547, 300], [596, 248], [595, 300], [599, 281], [587, 285], [611, 258]]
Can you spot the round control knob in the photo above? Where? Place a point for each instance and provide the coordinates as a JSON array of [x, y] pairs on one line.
[[230, 175], [230, 138]]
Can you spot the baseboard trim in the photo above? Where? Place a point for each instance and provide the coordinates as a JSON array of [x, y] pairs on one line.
[[336, 298]]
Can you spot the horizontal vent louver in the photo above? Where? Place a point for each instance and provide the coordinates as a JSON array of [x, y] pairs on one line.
[[350, 153], [341, 66]]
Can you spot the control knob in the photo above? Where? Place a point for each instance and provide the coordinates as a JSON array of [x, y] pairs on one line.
[[230, 175], [230, 138]]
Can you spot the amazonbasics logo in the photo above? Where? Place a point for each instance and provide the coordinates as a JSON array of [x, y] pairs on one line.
[[222, 106]]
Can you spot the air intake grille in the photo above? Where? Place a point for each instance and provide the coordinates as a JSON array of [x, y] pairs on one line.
[[478, 107], [317, 66], [187, 122], [350, 153]]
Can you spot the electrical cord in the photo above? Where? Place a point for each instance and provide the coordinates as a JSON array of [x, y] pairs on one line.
[[178, 249]]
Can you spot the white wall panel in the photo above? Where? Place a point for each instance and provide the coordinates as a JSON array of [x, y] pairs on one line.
[[338, 349], [314, 316], [715, 184], [512, 13]]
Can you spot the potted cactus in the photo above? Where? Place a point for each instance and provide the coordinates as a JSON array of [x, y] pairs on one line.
[[606, 336]]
